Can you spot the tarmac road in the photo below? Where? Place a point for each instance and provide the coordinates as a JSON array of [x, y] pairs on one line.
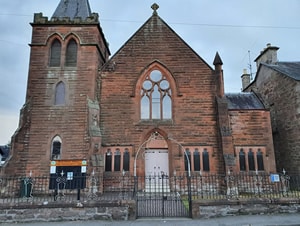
[[254, 220]]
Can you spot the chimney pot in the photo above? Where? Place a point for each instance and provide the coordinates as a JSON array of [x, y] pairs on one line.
[[268, 55], [246, 79]]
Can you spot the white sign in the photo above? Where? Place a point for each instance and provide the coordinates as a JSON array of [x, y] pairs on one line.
[[52, 169], [69, 175], [275, 178]]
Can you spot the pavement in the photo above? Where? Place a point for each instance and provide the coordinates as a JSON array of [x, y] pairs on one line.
[[249, 220]]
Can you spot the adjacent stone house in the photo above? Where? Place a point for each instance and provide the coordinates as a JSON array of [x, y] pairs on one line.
[[278, 85], [154, 108]]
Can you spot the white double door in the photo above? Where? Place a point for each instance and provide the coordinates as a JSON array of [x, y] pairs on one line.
[[157, 170]]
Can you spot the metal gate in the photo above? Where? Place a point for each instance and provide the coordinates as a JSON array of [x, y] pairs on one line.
[[161, 196]]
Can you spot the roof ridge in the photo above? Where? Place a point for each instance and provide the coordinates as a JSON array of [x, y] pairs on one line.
[[288, 68]]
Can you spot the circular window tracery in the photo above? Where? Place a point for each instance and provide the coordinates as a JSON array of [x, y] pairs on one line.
[[147, 85], [155, 76], [164, 84]]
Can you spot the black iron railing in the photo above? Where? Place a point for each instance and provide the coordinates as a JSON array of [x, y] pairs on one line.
[[113, 187]]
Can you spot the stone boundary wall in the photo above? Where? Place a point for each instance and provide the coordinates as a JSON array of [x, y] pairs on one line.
[[124, 211], [212, 209], [42, 213]]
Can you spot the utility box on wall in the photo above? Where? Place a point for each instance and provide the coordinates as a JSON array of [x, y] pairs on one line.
[[68, 174]]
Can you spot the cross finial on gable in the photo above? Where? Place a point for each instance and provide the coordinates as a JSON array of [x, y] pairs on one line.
[[155, 8]]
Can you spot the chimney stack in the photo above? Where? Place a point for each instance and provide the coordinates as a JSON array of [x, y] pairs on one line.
[[246, 79], [268, 55]]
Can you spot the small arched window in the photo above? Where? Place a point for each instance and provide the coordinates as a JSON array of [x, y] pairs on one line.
[[251, 163], [60, 94], [56, 147], [117, 162], [205, 158], [126, 160], [242, 159], [55, 53], [197, 160], [260, 160], [71, 54], [108, 161], [156, 98]]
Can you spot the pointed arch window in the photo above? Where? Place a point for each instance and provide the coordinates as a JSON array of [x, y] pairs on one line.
[[55, 53], [108, 161], [126, 160], [196, 160], [205, 158], [242, 159], [117, 162], [260, 160], [156, 97], [251, 159], [251, 162], [56, 148], [71, 54], [60, 94]]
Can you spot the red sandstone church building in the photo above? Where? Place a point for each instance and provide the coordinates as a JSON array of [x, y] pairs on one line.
[[154, 107]]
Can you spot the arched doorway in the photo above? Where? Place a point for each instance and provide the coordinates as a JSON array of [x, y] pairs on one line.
[[161, 194], [157, 164]]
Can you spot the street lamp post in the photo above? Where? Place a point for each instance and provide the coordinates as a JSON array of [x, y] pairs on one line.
[[152, 137]]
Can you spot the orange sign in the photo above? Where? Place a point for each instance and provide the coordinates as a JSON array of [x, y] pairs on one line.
[[68, 163]]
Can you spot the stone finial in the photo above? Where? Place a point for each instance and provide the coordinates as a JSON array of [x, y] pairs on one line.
[[155, 8], [217, 60]]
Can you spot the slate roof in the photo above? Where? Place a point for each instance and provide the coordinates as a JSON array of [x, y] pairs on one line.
[[243, 101], [73, 8], [291, 69]]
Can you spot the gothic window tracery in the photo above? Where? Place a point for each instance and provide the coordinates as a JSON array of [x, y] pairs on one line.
[[156, 97]]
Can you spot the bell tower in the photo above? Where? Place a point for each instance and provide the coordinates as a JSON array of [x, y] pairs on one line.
[[59, 120]]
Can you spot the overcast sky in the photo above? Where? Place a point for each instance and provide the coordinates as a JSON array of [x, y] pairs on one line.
[[231, 27]]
